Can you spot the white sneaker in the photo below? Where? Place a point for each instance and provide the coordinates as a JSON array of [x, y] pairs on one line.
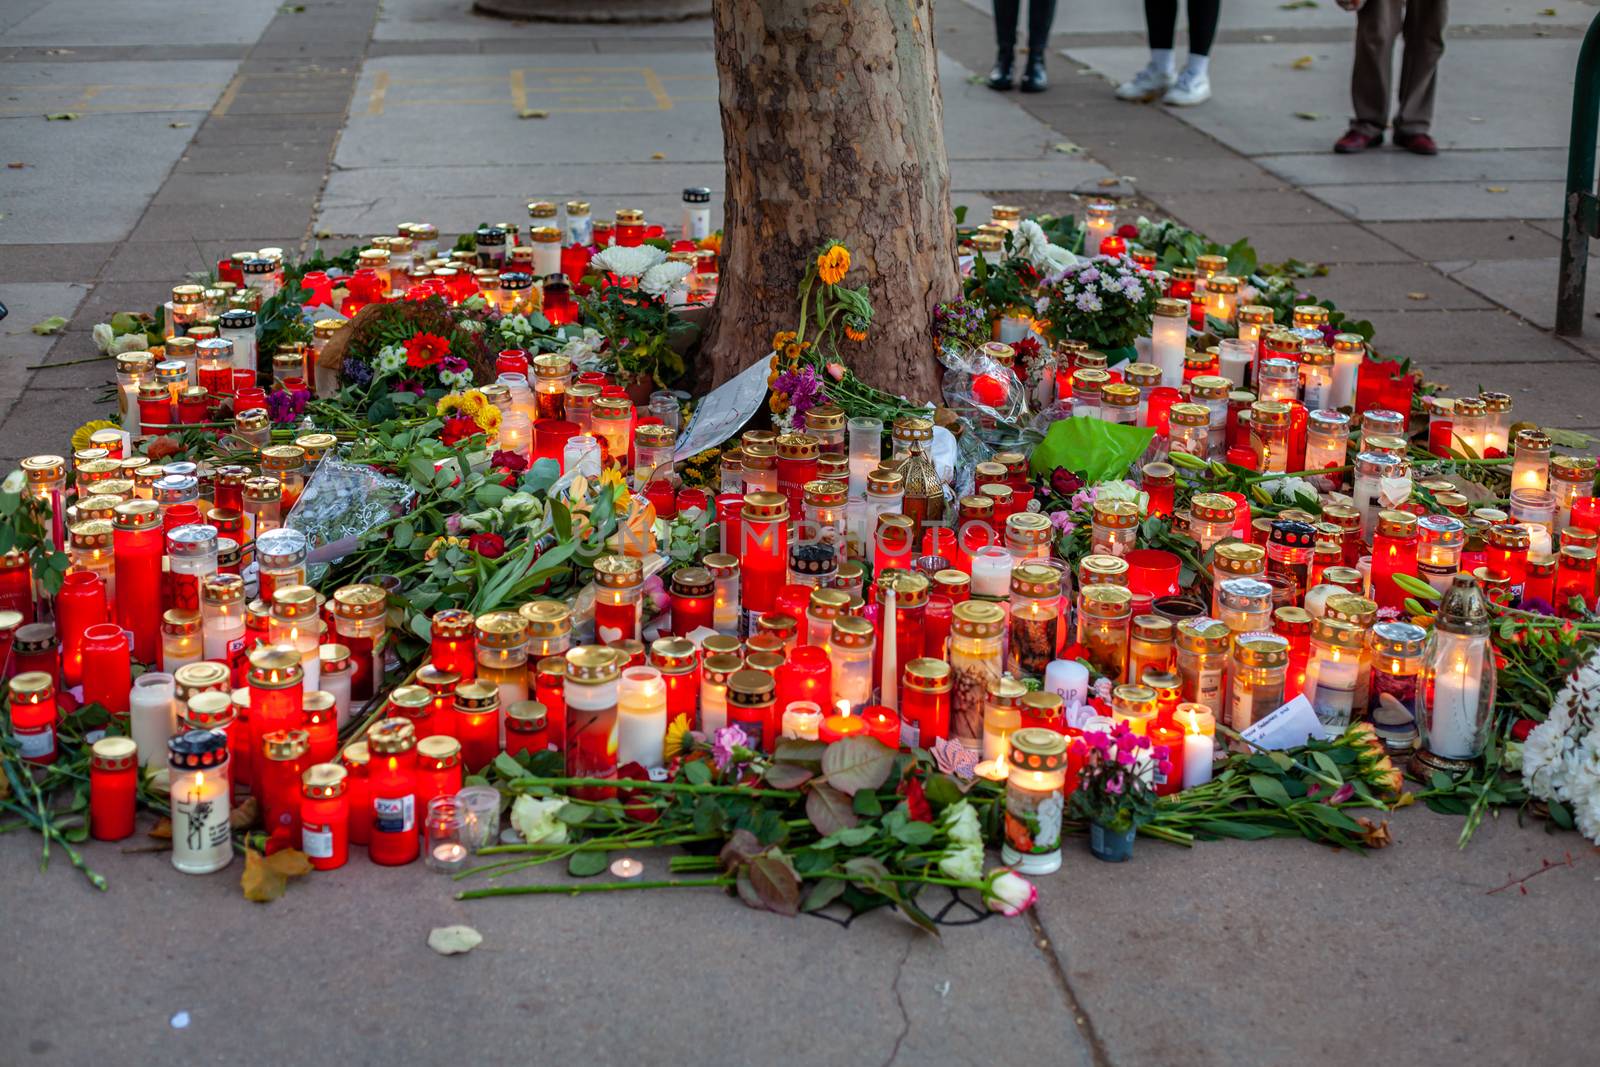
[[1146, 85], [1188, 90]]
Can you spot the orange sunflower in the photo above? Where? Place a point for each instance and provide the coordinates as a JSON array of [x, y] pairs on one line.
[[833, 263]]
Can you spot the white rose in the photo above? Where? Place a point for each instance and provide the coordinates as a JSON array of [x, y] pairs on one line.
[[1010, 894], [535, 819], [963, 864], [103, 336], [961, 823]]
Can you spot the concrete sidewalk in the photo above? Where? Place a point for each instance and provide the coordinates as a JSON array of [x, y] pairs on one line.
[[272, 124]]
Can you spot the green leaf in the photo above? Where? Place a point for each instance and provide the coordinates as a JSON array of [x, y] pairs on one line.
[[1269, 789], [698, 772], [793, 751], [828, 809], [914, 833], [574, 814], [942, 791], [508, 766], [849, 837], [787, 775], [404, 534], [490, 494], [870, 874], [823, 893], [1327, 766], [46, 327], [1093, 449], [917, 916], [1332, 817], [857, 763], [586, 864], [868, 804]]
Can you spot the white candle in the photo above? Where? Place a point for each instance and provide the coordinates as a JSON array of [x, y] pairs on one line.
[[222, 637], [201, 839], [1199, 743], [1453, 719], [1069, 680], [1169, 335], [641, 717], [713, 707], [1234, 357], [866, 451], [991, 572], [802, 721], [1346, 369], [152, 716]]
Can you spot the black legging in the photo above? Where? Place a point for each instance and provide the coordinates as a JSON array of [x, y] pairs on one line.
[[1040, 14], [1161, 20]]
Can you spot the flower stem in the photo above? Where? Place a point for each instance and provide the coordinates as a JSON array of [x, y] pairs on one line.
[[632, 784], [593, 887]]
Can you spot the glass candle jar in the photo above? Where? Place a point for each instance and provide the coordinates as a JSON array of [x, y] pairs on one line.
[[724, 570], [763, 555], [1002, 715], [360, 619], [1530, 462], [136, 547], [1333, 671], [826, 422], [1115, 527], [1029, 533], [652, 453], [1290, 547], [476, 722], [851, 645], [715, 670], [1245, 605], [975, 661], [439, 770], [619, 587], [1279, 380], [222, 622], [452, 644], [1349, 351], [1256, 675], [1119, 403], [1104, 621], [1316, 376], [1394, 551], [1211, 518], [1169, 337], [33, 715], [1035, 800], [1575, 579], [1269, 436], [180, 639], [1456, 708], [278, 787], [1150, 647], [591, 702], [1190, 429], [297, 623], [392, 788], [202, 840], [1439, 542], [502, 650], [752, 706], [825, 514], [1571, 480], [925, 701], [1327, 442], [1371, 470], [642, 717], [797, 464], [866, 451], [1159, 482], [1535, 507], [1036, 623], [1234, 559], [1396, 649]]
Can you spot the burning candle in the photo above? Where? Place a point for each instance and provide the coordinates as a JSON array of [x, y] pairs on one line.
[[1199, 728], [806, 675], [107, 668], [202, 840], [802, 721], [1169, 337], [80, 604], [477, 722], [452, 646], [136, 546], [591, 702], [840, 726], [752, 706], [1035, 800], [641, 717], [392, 787], [33, 716], [279, 786]]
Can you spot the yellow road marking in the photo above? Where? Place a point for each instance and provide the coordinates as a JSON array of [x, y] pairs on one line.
[[380, 86]]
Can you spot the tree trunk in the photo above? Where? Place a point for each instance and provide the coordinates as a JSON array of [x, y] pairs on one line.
[[833, 126]]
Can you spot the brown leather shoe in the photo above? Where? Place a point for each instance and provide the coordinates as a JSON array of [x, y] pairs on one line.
[[1355, 141], [1420, 143]]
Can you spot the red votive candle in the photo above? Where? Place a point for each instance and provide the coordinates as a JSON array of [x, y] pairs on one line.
[[763, 550], [1163, 735], [925, 698], [663, 497], [937, 619], [806, 675], [477, 723], [136, 556], [527, 728], [550, 437], [883, 725], [113, 788], [438, 769], [321, 726], [80, 605], [730, 511], [356, 761], [277, 692], [16, 583], [278, 786], [454, 647], [107, 667], [391, 782], [549, 689], [1153, 572], [1586, 513], [325, 816], [33, 716], [679, 663], [693, 600]]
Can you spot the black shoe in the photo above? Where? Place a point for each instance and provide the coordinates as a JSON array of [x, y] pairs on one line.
[[1033, 76], [1004, 75]]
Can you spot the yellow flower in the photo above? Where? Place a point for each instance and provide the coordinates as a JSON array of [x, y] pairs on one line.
[[677, 734], [472, 402], [449, 405], [488, 418], [440, 544], [854, 334], [833, 263], [611, 478], [80, 436]]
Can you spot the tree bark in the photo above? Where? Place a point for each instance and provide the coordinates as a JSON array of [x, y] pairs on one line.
[[833, 126]]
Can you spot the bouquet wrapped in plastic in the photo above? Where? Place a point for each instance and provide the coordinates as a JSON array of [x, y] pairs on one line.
[[341, 501]]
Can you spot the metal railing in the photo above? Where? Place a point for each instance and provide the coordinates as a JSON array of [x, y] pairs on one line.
[[1581, 210]]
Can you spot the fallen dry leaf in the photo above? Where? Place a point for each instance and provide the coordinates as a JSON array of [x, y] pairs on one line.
[[16, 166], [162, 831], [46, 327], [1309, 116], [658, 155], [58, 51], [1067, 148], [179, 125], [1548, 12], [533, 113], [62, 116], [1416, 296], [1303, 63], [243, 816], [266, 877], [1497, 188], [453, 940], [1106, 183]]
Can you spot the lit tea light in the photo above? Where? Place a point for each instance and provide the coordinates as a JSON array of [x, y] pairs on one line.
[[995, 770], [627, 867]]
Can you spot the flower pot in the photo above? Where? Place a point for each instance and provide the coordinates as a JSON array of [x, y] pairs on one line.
[[1113, 846]]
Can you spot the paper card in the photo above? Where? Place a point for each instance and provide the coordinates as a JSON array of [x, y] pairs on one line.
[[725, 409], [1293, 724]]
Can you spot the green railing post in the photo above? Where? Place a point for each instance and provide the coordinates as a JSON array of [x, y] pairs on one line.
[[1581, 209]]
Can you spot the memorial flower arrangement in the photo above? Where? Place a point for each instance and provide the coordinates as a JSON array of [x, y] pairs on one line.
[[423, 503]]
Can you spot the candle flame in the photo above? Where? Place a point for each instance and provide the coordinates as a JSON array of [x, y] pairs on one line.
[[844, 707]]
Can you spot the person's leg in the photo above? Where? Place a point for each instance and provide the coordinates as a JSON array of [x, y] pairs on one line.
[[1005, 35], [1423, 29], [1203, 17], [1161, 22], [1041, 13], [1377, 26]]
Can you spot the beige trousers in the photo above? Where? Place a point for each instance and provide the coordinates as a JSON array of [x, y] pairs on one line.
[[1421, 23]]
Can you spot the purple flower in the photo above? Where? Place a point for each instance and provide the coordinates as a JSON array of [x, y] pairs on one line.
[[723, 743], [1113, 786], [1125, 756], [410, 385], [801, 387], [1342, 794], [284, 406], [356, 372], [453, 364]]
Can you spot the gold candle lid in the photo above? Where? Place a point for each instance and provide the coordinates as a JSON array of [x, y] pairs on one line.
[[977, 618], [927, 675], [852, 632], [592, 665], [390, 737]]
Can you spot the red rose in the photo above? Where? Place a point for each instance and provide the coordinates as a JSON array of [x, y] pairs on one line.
[[917, 806], [487, 545], [1521, 729], [509, 461], [458, 428], [426, 349], [1128, 231]]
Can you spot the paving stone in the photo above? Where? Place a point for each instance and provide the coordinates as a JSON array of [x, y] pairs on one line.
[[273, 159], [269, 129], [1526, 286], [1220, 215], [1390, 164], [148, 22], [1497, 239], [246, 189], [28, 303], [182, 222], [1365, 287], [108, 298], [168, 261], [1444, 338], [1444, 200], [52, 262], [1329, 242]]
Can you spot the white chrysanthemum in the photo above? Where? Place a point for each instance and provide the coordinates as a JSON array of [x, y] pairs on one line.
[[1586, 814], [630, 262], [390, 359], [660, 279], [1544, 756], [1287, 489]]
